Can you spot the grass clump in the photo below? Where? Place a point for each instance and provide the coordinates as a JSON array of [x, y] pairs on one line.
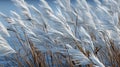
[[72, 36]]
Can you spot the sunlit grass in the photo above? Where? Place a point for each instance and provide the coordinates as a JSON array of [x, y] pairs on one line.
[[71, 36]]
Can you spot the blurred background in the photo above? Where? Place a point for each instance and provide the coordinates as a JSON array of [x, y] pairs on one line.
[[7, 5]]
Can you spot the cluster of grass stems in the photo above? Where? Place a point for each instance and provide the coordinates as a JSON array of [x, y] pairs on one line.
[[28, 55]]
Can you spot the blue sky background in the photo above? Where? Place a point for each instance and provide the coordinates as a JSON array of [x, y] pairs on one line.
[[7, 5]]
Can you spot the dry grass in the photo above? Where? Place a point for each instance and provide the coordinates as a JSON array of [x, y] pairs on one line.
[[40, 23], [33, 57], [36, 58]]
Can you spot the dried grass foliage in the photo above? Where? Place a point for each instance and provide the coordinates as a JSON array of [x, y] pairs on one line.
[[69, 37]]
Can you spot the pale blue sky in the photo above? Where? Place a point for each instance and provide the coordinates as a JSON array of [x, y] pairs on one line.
[[7, 5]]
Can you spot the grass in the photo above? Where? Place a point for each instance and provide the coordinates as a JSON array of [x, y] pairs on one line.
[[45, 38]]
